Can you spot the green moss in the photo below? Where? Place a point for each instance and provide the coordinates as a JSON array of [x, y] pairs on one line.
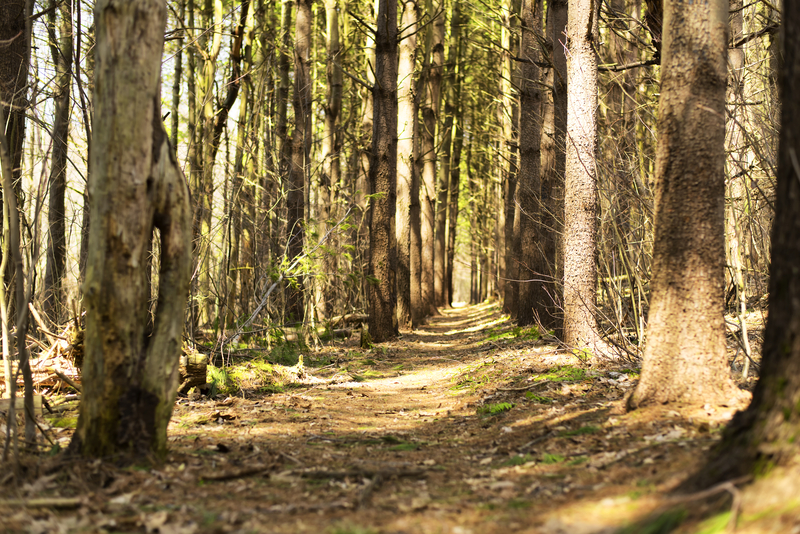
[[67, 421], [581, 431], [562, 373], [518, 460], [550, 459]]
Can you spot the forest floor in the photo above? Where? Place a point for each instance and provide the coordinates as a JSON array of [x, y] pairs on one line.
[[467, 425]]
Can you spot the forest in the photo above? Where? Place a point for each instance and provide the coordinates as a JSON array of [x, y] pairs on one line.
[[400, 266]]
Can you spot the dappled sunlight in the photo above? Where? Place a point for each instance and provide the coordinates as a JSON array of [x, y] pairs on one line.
[[422, 436]]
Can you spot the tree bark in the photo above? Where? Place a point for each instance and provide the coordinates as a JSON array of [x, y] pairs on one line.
[[684, 359], [301, 150], [763, 437], [130, 375], [406, 129], [61, 51], [434, 52], [527, 216], [331, 145], [382, 294], [580, 203], [508, 267], [554, 129]]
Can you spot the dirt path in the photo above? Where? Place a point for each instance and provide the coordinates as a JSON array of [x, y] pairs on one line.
[[467, 425]]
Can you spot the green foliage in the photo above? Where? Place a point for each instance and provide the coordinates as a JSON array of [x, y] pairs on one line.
[[563, 373], [531, 396], [67, 421], [475, 376], [494, 409], [515, 332], [404, 447], [221, 383], [661, 524], [716, 524], [549, 459], [519, 459]]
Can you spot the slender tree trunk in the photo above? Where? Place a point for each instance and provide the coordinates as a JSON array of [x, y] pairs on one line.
[[527, 219], [129, 374], [14, 61], [382, 294], [430, 113], [554, 130], [456, 110], [580, 203], [178, 73], [689, 242], [301, 150], [508, 267], [406, 127], [57, 243], [329, 178]]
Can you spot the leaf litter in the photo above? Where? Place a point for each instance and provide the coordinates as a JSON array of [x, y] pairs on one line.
[[466, 425]]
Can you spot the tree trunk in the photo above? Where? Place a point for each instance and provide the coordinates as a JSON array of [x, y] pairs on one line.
[[406, 128], [527, 217], [455, 108], [382, 294], [54, 303], [508, 267], [130, 375], [554, 131], [684, 359], [434, 52], [764, 436], [580, 203], [301, 150], [331, 144]]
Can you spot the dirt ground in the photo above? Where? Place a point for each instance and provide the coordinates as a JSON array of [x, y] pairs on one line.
[[466, 425]]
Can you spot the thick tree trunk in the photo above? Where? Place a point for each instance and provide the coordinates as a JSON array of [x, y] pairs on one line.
[[382, 289], [406, 128], [689, 243], [765, 435], [57, 229], [301, 150], [130, 375], [527, 217], [580, 203]]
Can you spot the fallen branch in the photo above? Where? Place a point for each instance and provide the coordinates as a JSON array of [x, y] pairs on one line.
[[44, 502], [66, 379]]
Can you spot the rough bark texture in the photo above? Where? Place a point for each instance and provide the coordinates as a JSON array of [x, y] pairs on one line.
[[684, 359], [507, 276], [331, 145], [130, 372], [406, 127], [580, 202], [554, 130], [765, 435], [301, 148], [527, 216], [382, 295], [430, 113], [13, 76], [57, 231]]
